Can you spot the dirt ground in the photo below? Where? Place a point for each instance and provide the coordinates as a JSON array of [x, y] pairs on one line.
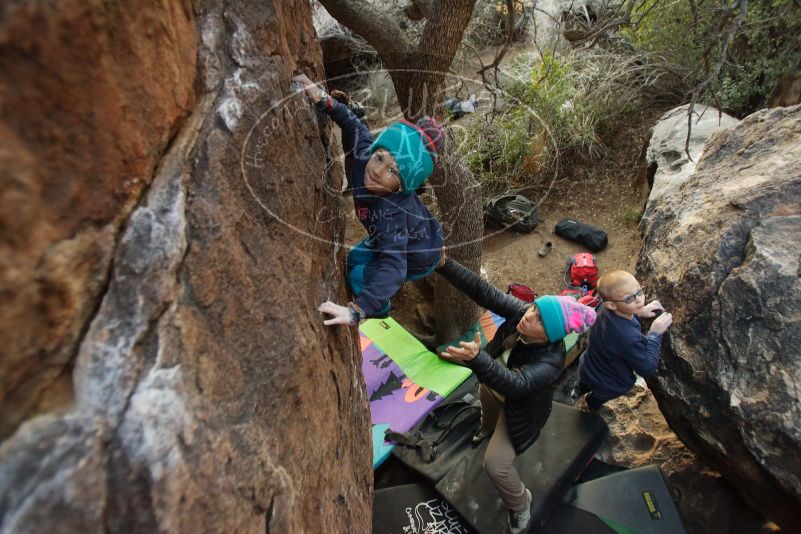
[[604, 194]]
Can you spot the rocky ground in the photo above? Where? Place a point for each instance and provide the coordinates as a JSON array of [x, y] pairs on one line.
[[639, 435]]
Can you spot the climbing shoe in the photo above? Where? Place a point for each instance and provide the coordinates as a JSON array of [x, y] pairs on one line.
[[546, 248]]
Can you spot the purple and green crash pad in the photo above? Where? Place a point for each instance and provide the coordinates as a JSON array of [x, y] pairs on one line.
[[405, 380]]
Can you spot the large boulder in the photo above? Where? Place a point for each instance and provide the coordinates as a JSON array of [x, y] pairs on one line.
[[667, 155], [169, 221], [722, 252]]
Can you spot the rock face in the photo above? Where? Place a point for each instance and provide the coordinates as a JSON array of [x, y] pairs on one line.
[[79, 142], [169, 221], [722, 252], [666, 150]]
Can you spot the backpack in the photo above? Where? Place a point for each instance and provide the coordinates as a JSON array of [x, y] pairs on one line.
[[514, 212], [523, 292], [581, 272], [589, 298], [591, 237]]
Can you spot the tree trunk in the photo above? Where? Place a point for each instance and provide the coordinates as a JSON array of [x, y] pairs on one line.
[[458, 195], [418, 74], [459, 199]]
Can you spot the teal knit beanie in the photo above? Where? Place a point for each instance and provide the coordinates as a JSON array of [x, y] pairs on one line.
[[563, 315], [413, 150]]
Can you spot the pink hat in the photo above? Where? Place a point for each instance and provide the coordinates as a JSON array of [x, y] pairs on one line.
[[563, 315]]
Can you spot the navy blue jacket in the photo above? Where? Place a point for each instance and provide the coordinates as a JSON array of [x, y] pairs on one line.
[[616, 350], [406, 238], [527, 382]]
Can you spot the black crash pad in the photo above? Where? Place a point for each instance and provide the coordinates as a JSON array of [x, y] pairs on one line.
[[418, 508], [636, 500], [568, 519], [449, 429], [415, 508], [548, 468]]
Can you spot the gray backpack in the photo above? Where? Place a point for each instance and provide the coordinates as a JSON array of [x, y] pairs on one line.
[[513, 212]]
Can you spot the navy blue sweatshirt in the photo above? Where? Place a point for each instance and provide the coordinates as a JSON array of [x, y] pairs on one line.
[[617, 349], [405, 236]]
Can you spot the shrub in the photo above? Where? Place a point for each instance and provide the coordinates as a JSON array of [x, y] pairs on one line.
[[765, 50], [555, 111]]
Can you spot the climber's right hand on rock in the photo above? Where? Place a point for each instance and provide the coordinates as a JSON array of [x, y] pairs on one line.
[[661, 323], [340, 314], [314, 92]]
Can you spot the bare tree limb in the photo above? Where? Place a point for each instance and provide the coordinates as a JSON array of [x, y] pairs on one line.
[[713, 78], [510, 33], [378, 29]]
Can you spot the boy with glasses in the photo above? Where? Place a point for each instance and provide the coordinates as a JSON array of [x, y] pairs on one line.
[[617, 349]]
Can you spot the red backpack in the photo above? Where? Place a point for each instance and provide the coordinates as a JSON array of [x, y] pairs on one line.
[[582, 272], [523, 292], [589, 298]]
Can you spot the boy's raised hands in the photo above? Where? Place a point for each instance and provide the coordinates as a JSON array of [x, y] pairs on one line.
[[650, 309], [661, 323]]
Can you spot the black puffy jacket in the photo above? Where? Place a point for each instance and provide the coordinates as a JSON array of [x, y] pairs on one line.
[[527, 383]]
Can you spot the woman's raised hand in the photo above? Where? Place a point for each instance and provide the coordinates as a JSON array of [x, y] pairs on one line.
[[465, 352], [443, 257]]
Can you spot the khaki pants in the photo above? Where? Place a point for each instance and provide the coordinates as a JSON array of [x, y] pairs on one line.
[[500, 455]]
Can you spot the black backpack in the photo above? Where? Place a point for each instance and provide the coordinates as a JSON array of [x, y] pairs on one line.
[[515, 212], [591, 237]]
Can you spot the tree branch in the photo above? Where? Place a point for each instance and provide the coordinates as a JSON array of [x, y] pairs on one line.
[[444, 28], [378, 29], [510, 32], [741, 8]]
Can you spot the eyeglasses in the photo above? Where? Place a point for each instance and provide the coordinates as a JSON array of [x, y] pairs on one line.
[[628, 299]]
